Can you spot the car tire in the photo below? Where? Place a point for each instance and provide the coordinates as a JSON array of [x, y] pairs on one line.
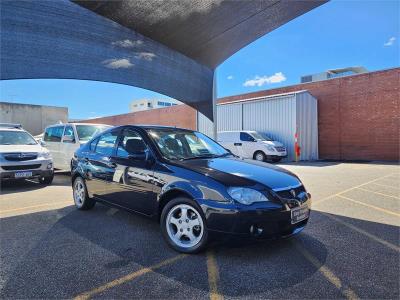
[[183, 226], [260, 156], [81, 198], [47, 180]]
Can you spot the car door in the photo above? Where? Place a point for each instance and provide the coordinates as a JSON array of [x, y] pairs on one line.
[[133, 185], [227, 140], [52, 138], [67, 147], [246, 147], [99, 169]]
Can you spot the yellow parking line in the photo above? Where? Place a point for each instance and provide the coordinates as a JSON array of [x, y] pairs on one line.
[[213, 276], [379, 193], [370, 206], [327, 273], [386, 185], [371, 236], [126, 278], [34, 206], [349, 189]]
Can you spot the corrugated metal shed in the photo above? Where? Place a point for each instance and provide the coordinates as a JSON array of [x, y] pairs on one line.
[[278, 115]]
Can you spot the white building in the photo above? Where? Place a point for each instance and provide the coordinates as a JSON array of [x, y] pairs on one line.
[[333, 73], [146, 104]]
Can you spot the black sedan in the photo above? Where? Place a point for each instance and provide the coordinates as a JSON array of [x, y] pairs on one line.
[[189, 183]]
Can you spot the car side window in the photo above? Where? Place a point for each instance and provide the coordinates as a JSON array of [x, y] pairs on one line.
[[69, 136], [106, 143], [245, 137], [92, 145], [131, 143], [53, 134]]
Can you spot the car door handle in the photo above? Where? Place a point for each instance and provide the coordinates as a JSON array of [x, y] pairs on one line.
[[237, 144]]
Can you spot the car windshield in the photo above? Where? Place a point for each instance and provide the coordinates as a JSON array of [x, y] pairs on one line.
[[184, 144], [11, 137], [86, 132], [259, 136]]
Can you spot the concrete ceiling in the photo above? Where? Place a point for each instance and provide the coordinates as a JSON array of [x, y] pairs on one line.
[[208, 31]]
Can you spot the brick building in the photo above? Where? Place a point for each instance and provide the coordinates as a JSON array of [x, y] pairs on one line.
[[358, 116]]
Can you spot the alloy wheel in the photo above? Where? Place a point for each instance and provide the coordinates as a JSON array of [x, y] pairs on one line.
[[79, 192], [184, 226]]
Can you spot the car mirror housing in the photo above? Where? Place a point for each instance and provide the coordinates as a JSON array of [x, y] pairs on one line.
[[138, 156]]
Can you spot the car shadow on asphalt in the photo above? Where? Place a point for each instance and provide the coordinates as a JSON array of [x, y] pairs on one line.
[[86, 249], [27, 185]]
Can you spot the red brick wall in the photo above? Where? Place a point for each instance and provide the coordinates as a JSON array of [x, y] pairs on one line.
[[358, 116], [179, 115]]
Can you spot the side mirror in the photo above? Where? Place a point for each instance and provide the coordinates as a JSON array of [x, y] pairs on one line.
[[138, 156], [42, 143], [68, 139]]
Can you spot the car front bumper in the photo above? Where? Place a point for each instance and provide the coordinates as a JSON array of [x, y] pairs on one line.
[[37, 168], [270, 222]]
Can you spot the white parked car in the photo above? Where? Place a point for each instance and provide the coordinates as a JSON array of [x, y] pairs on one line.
[[21, 156], [252, 144], [62, 140]]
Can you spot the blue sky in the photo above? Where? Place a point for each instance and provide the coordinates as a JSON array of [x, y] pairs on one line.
[[337, 34]]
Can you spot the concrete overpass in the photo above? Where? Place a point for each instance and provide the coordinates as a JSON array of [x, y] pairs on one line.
[[167, 46]]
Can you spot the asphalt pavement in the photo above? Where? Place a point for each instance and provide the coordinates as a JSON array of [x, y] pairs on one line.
[[350, 248]]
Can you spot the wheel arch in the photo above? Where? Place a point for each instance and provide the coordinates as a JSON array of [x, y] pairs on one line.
[[170, 195], [257, 151]]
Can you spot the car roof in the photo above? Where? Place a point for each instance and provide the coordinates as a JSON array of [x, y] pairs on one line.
[[160, 127], [64, 124], [11, 129]]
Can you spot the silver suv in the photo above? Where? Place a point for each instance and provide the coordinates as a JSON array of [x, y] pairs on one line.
[[21, 156]]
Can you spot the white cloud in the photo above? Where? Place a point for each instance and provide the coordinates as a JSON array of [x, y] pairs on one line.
[[390, 42], [123, 63], [145, 55], [127, 43], [261, 80], [230, 77]]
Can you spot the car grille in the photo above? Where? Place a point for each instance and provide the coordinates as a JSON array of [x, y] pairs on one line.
[[288, 195], [280, 149], [20, 156], [21, 167]]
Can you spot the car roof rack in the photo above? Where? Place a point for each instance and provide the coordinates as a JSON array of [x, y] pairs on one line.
[[11, 125]]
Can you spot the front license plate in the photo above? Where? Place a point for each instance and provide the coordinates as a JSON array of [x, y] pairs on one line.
[[23, 174], [300, 213]]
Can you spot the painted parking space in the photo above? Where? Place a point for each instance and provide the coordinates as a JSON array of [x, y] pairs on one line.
[[348, 250]]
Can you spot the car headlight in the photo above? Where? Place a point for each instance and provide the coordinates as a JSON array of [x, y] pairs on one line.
[[270, 148], [45, 154], [246, 196]]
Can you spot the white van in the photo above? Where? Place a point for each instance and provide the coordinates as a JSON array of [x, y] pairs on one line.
[[62, 140], [252, 144]]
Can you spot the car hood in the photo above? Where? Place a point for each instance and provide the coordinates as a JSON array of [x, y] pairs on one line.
[[20, 148], [233, 171], [273, 143]]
